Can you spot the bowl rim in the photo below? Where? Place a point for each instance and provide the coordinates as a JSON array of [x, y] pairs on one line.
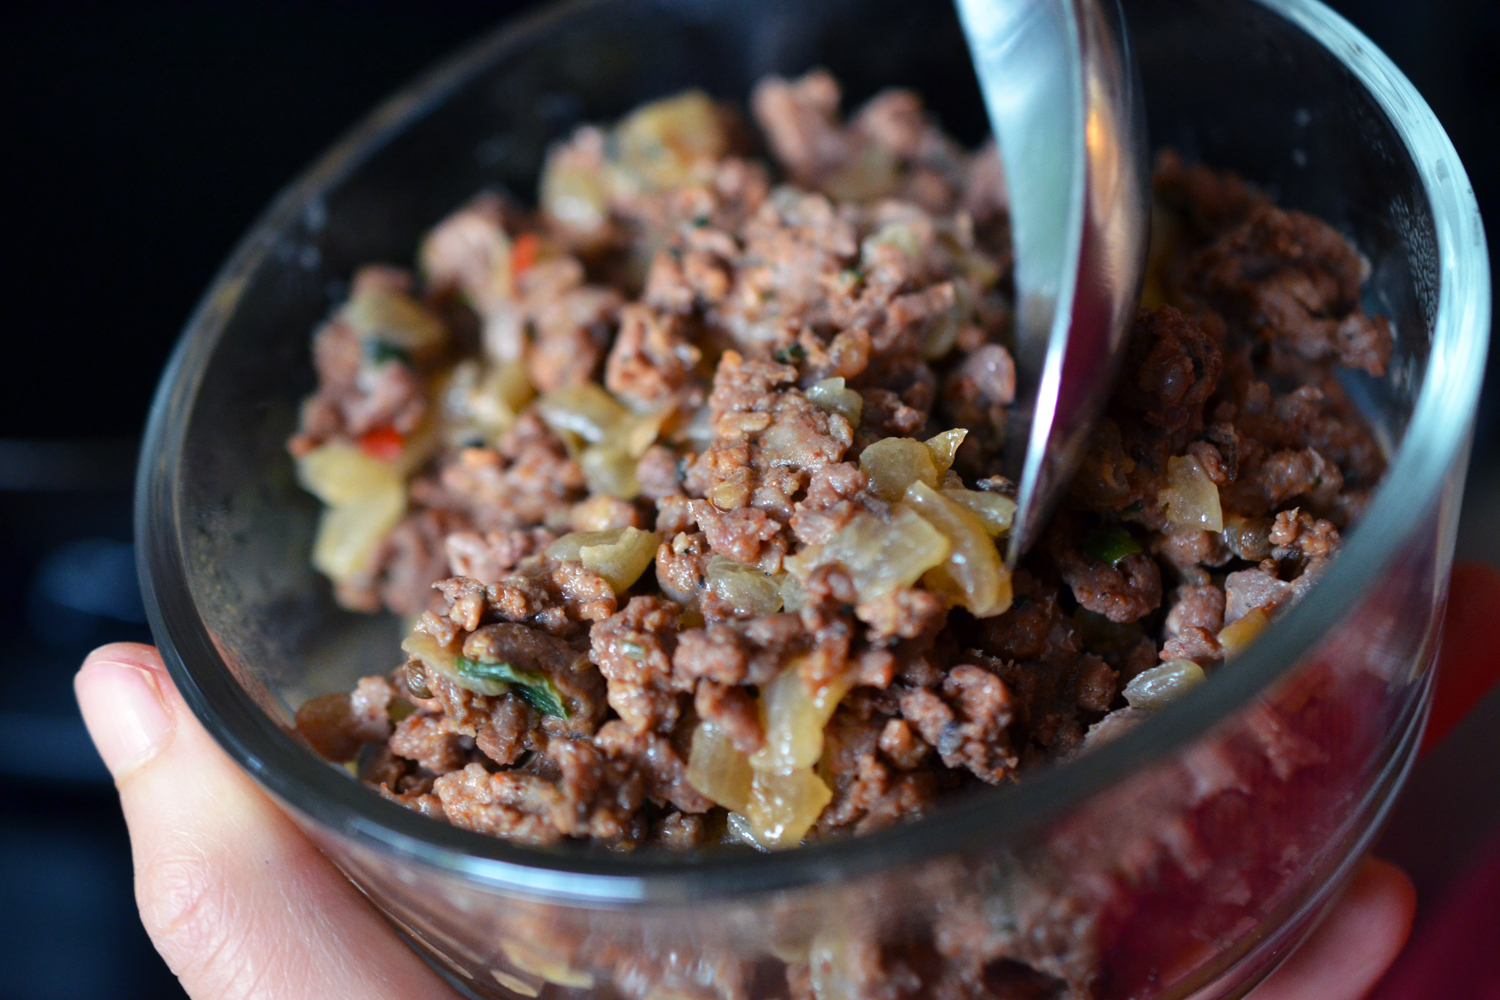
[[1431, 452]]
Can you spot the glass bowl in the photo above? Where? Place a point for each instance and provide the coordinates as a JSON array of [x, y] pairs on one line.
[[1185, 859]]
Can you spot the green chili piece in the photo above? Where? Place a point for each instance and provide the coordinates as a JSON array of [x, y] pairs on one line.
[[1111, 543], [380, 351], [535, 689]]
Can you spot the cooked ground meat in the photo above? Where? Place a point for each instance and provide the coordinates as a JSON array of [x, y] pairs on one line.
[[661, 472]]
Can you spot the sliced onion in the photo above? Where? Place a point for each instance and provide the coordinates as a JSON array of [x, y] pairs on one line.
[[1191, 499], [972, 576], [1240, 633], [716, 769], [783, 807], [424, 647], [349, 534], [882, 556], [793, 596], [484, 401], [390, 316], [1159, 686], [620, 555], [339, 472], [793, 713], [610, 469], [944, 446], [586, 410], [892, 464], [831, 394], [746, 589], [574, 189], [995, 511], [672, 142]]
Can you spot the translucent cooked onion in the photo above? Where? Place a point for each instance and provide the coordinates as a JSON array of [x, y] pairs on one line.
[[793, 713], [944, 446], [392, 317], [424, 647], [1159, 686], [1191, 499], [671, 142], [882, 556], [1240, 633], [597, 513], [831, 394], [995, 511], [586, 410], [620, 555], [945, 329], [746, 589], [349, 534], [892, 464], [339, 472], [484, 400], [793, 596], [609, 469], [638, 432], [615, 437], [717, 770], [972, 576], [574, 191], [783, 807]]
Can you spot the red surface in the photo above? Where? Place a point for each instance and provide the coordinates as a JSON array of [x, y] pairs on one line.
[[1469, 662], [1455, 952], [1453, 956]]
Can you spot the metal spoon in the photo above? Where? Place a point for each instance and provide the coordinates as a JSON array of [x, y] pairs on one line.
[[1064, 100]]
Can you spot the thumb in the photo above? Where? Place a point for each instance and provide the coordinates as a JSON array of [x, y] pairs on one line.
[[236, 899]]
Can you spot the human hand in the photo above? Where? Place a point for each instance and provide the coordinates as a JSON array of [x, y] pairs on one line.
[[241, 905]]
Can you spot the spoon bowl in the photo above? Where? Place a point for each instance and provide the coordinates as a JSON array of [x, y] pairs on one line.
[[1064, 99]]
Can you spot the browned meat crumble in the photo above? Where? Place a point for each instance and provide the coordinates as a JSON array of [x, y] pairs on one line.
[[659, 473]]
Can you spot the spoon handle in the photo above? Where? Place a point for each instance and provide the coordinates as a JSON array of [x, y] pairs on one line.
[[1064, 101]]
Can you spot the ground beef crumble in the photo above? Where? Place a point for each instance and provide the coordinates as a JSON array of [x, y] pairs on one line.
[[714, 354]]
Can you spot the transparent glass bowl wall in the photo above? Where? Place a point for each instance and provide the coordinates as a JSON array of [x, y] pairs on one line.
[[1189, 856]]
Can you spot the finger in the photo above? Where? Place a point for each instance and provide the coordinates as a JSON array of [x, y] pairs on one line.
[[1469, 661], [237, 900], [1349, 952]]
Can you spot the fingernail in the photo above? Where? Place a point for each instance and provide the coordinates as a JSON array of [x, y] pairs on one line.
[[123, 709]]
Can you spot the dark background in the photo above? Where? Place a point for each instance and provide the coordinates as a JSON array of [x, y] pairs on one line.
[[138, 141]]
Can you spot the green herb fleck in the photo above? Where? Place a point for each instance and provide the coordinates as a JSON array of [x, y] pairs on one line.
[[380, 351], [700, 221], [535, 689], [399, 709], [1111, 543], [851, 276], [791, 354]]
